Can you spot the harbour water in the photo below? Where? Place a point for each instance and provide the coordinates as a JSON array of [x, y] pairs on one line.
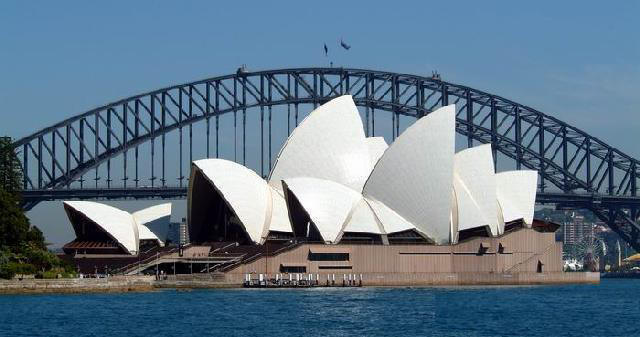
[[607, 309]]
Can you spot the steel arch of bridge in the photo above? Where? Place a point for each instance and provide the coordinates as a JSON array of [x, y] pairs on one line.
[[576, 170]]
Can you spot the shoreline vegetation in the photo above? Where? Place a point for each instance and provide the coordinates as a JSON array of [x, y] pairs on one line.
[[23, 249]]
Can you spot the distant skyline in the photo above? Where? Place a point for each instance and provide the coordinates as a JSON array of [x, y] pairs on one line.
[[575, 61]]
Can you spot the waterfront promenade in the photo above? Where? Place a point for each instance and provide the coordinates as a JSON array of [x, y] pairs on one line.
[[217, 280]]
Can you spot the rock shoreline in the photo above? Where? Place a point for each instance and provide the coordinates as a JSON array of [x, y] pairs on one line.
[[76, 286]]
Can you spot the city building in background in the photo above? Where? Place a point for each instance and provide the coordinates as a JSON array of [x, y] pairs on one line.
[[576, 230]]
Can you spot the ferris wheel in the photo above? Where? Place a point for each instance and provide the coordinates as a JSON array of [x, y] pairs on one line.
[[590, 250]]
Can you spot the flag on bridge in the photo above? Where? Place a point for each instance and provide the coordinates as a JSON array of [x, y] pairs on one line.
[[344, 45]]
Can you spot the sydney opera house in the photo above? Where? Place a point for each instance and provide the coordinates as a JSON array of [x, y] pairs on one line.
[[338, 203]]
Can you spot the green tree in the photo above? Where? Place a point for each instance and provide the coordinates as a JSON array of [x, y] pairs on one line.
[[15, 229], [42, 259], [35, 238], [22, 246], [14, 225], [10, 168]]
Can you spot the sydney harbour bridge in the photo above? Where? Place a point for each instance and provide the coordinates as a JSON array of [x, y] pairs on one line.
[[140, 147]]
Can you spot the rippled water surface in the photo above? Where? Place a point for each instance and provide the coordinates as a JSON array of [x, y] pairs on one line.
[[609, 309]]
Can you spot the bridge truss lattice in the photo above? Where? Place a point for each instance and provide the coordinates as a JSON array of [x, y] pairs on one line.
[[132, 148]]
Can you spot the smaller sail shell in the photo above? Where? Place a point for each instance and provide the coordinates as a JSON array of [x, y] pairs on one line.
[[390, 220], [279, 213], [118, 224], [363, 220], [475, 187], [327, 203], [153, 222], [516, 194]]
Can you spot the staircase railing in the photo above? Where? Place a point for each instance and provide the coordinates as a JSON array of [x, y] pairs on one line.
[[257, 255], [529, 258], [137, 264]]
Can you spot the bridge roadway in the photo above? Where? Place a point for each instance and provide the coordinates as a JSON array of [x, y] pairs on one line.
[[140, 140]]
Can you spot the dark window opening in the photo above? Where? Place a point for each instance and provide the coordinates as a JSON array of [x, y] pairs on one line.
[[361, 238], [539, 268], [406, 237], [293, 269], [544, 226], [279, 236], [478, 232], [334, 267], [513, 226], [314, 256]]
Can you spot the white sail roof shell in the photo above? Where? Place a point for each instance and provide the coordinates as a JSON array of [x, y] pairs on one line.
[[362, 220], [244, 191], [328, 144], [454, 216], [376, 146], [279, 214], [390, 220], [259, 207], [475, 186], [414, 176], [467, 212], [327, 203], [153, 222], [118, 224], [147, 234], [516, 193], [500, 218]]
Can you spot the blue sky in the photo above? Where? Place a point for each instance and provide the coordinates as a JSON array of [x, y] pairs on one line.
[[576, 61]]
